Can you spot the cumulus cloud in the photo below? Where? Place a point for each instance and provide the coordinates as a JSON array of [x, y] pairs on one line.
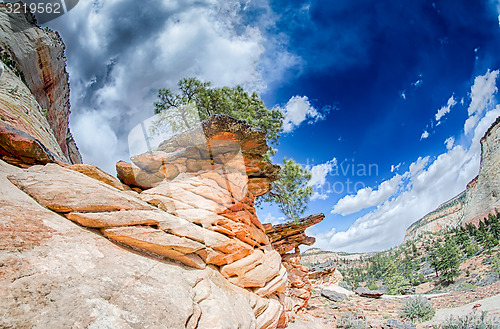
[[367, 197], [427, 183], [481, 95], [449, 142], [445, 109], [318, 178], [298, 110], [121, 52], [424, 135]]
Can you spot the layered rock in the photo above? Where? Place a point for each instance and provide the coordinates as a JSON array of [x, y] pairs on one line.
[[55, 274], [287, 237], [38, 54], [204, 220], [481, 197]]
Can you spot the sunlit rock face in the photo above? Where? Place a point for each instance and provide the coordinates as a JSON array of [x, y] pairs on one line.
[[37, 54], [481, 197], [192, 245], [285, 238]]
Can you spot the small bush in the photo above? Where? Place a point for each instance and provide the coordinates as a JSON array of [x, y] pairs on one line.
[[474, 320], [417, 309], [372, 286], [352, 321]]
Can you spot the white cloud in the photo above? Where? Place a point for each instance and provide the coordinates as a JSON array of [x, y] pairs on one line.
[[402, 94], [318, 178], [445, 109], [297, 110], [396, 167], [367, 197], [428, 183], [319, 172], [449, 142], [121, 52], [424, 135], [417, 83], [481, 98], [273, 220]]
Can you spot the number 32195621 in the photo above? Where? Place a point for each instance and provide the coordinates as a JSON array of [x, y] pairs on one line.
[[35, 8]]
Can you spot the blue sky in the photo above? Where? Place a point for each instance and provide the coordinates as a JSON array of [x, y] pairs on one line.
[[400, 90]]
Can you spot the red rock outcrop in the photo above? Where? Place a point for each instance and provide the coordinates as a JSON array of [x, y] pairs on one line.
[[284, 238], [203, 219], [39, 55]]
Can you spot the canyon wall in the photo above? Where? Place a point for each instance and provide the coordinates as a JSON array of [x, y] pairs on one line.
[[37, 56], [480, 198]]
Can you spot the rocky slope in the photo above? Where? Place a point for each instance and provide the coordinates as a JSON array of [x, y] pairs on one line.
[[196, 239], [481, 197], [38, 57]]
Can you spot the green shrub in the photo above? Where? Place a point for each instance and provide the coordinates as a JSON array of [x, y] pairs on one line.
[[474, 320], [352, 321], [372, 286], [417, 309]]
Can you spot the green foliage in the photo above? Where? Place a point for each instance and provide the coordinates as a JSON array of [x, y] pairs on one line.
[[372, 286], [208, 101], [446, 259], [11, 64], [417, 309], [291, 192], [394, 280], [472, 249], [474, 320], [197, 100], [496, 265]]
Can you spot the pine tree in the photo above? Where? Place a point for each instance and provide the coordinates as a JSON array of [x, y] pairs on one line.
[[495, 227], [450, 261]]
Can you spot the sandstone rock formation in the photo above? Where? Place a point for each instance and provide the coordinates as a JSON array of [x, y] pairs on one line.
[[481, 197], [203, 219], [55, 274], [287, 237], [39, 55]]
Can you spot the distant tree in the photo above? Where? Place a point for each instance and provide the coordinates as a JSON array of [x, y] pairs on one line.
[[482, 233], [291, 192], [496, 265], [394, 280], [435, 256], [450, 260], [490, 242], [495, 227]]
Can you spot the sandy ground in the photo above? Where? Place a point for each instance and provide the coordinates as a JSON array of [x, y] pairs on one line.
[[323, 313], [490, 305]]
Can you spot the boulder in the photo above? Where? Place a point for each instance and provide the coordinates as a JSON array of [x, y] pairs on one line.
[[130, 175], [332, 295], [364, 292], [96, 173]]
